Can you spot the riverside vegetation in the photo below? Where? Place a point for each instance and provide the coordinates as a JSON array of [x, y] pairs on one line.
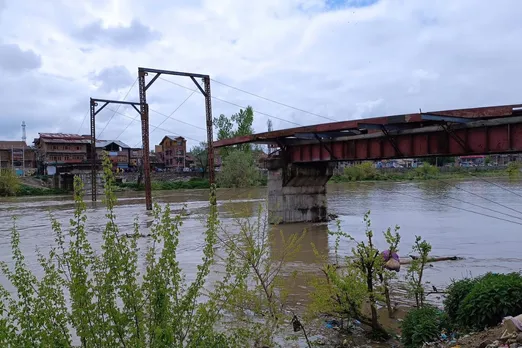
[[104, 298], [100, 298], [367, 172]]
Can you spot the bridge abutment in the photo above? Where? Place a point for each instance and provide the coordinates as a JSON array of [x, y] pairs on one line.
[[297, 191]]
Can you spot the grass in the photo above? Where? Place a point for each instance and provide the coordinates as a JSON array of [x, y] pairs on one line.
[[25, 190], [194, 183]]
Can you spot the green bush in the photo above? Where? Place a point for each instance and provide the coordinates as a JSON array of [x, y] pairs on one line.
[[238, 170], [25, 190], [513, 169], [455, 293], [108, 298], [493, 297], [193, 183], [421, 325], [426, 171], [9, 182], [363, 171]]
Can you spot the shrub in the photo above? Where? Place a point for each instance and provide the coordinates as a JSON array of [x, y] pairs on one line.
[[455, 293], [513, 169], [101, 298], [363, 171], [426, 171], [421, 325], [493, 297], [238, 170], [9, 182]]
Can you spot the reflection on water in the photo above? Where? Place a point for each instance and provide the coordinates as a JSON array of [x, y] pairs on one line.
[[436, 210]]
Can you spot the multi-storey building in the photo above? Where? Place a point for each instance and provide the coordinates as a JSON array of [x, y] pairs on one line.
[[136, 156], [174, 151], [55, 150], [18, 156], [119, 153]]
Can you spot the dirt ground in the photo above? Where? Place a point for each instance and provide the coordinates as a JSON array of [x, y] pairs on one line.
[[33, 182]]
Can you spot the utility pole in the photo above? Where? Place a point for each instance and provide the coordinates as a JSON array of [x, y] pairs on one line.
[[205, 90], [24, 138]]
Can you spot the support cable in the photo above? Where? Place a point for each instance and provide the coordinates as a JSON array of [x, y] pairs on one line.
[[125, 97], [234, 104], [482, 197], [275, 101], [463, 209], [497, 185]]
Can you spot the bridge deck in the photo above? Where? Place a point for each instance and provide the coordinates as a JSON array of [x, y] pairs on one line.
[[494, 129]]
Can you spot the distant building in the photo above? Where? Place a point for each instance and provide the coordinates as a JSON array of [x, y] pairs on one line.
[[174, 151], [59, 150], [136, 156], [118, 152], [17, 155]]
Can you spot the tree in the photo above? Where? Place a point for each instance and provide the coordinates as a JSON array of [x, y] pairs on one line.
[[237, 125], [239, 170], [200, 154]]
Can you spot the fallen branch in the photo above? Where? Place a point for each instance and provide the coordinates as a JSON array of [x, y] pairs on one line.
[[430, 260], [434, 259]]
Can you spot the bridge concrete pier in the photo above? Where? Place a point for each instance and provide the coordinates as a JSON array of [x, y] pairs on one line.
[[297, 191]]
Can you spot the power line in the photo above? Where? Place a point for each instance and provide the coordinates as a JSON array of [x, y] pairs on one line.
[[497, 185], [163, 129], [175, 119], [486, 208], [83, 121], [275, 101], [231, 103], [479, 196], [167, 117], [463, 209], [126, 95]]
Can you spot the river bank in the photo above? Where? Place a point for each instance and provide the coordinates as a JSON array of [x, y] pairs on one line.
[[368, 172]]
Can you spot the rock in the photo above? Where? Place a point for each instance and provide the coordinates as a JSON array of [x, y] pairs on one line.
[[513, 345], [519, 338], [485, 344]]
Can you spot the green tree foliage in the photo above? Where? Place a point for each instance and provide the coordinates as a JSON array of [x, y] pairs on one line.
[[9, 182], [106, 298], [426, 171], [492, 297], [421, 325], [258, 301], [363, 171], [455, 293], [200, 154], [111, 303], [237, 125], [239, 169], [513, 170], [385, 275], [348, 285], [415, 272]]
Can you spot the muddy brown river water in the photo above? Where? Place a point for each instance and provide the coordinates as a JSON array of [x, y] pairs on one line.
[[439, 211]]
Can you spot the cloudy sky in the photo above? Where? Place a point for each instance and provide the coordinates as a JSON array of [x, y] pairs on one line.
[[337, 59]]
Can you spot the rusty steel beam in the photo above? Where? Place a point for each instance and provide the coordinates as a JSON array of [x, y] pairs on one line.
[[205, 90], [144, 110], [492, 136], [269, 137], [93, 103]]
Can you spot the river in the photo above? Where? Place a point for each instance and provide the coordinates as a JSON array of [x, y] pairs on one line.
[[439, 211]]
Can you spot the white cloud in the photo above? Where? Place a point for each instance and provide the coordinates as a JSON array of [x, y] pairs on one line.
[[339, 59]]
